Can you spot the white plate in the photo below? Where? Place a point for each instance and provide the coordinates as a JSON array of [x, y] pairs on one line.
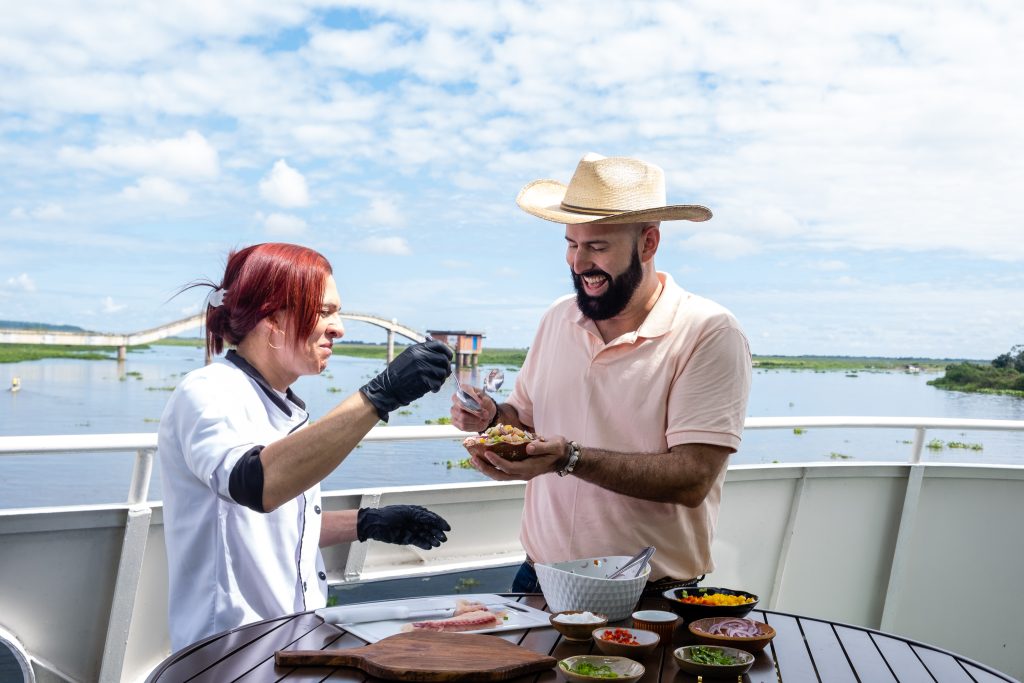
[[519, 616]]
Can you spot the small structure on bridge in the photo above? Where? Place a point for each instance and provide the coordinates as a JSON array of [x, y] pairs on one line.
[[466, 345]]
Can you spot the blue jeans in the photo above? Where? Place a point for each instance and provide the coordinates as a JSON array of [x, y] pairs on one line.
[[526, 580]]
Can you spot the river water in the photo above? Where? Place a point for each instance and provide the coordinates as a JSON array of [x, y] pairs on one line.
[[62, 396]]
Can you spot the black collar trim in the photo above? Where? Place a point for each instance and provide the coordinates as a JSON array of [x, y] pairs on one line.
[[248, 369]]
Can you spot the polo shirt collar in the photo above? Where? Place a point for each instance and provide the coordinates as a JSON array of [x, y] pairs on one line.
[[658, 321], [275, 397]]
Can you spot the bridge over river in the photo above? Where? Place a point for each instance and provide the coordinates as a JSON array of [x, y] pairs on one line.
[[123, 341]]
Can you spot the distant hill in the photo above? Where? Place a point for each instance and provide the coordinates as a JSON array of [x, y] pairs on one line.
[[20, 325]]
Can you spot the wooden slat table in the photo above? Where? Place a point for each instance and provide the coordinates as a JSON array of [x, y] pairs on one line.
[[804, 649]]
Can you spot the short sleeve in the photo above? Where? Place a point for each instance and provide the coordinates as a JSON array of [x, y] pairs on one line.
[[214, 432], [708, 400]]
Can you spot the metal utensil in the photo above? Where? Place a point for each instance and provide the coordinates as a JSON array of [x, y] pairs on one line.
[[639, 561], [495, 378], [464, 398]]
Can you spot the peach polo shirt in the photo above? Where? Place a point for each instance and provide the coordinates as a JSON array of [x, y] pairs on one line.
[[682, 377]]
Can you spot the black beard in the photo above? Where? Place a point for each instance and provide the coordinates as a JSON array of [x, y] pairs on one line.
[[616, 298]]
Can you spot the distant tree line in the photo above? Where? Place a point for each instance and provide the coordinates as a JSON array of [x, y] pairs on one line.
[[1004, 375], [1014, 358]]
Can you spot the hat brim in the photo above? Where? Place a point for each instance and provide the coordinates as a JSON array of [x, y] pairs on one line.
[[543, 198]]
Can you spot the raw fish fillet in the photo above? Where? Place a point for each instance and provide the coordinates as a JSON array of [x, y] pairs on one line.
[[462, 606], [468, 621]]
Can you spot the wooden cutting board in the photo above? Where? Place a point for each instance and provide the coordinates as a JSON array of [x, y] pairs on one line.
[[429, 656]]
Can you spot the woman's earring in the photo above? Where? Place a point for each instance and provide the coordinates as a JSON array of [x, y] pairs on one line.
[[272, 335]]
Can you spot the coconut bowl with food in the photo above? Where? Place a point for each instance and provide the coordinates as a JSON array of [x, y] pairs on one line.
[[577, 624], [743, 634], [507, 441], [699, 603]]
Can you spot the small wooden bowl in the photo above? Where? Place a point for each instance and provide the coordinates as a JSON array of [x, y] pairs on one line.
[[646, 642], [660, 622], [752, 644], [579, 632], [628, 671], [684, 658]]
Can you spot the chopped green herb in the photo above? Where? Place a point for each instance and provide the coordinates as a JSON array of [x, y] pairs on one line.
[[587, 669], [710, 655]]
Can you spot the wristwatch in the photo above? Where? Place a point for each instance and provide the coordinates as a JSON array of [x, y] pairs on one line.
[[574, 458]]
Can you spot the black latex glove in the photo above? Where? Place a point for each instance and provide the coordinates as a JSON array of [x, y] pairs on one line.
[[420, 368], [402, 525]]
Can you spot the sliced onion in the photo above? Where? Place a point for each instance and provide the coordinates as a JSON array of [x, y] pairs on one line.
[[735, 628]]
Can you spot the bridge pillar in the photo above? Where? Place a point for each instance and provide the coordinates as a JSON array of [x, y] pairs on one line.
[[122, 352], [391, 344]]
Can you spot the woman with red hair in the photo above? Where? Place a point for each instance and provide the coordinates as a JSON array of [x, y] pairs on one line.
[[240, 468]]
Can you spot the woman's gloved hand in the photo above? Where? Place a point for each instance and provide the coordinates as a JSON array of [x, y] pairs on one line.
[[420, 368], [402, 525]]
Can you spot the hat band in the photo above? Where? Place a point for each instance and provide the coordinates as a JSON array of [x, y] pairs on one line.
[[592, 211]]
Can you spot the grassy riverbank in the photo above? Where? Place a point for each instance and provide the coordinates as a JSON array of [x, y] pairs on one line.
[[849, 363], [981, 379], [13, 353]]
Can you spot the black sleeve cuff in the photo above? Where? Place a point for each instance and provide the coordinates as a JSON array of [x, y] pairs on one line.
[[246, 482]]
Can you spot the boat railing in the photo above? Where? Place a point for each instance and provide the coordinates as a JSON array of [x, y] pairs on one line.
[[891, 534], [144, 444]]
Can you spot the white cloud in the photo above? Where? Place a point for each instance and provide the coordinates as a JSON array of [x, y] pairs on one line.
[[22, 282], [110, 307], [155, 189], [829, 265], [820, 131], [284, 186], [284, 225], [721, 245], [189, 157], [383, 211], [46, 212], [395, 246]]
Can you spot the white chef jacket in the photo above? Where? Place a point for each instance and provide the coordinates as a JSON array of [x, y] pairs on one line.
[[229, 565]]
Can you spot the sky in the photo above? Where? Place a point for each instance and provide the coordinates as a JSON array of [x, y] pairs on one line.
[[864, 161]]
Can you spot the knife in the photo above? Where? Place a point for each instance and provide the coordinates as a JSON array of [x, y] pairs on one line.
[[366, 613]]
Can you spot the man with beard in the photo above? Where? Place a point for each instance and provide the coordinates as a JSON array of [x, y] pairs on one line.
[[637, 388]]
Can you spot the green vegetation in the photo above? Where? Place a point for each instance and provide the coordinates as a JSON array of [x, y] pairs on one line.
[[15, 353], [848, 363], [968, 446], [839, 456], [194, 342], [1004, 375], [463, 464], [935, 445], [445, 420], [508, 357], [799, 430]]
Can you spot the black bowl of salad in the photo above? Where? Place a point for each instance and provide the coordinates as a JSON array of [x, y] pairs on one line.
[[699, 603], [713, 661]]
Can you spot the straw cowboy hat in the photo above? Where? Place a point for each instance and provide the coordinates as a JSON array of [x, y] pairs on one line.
[[607, 190]]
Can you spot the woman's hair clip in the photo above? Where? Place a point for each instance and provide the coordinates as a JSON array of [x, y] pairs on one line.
[[217, 298]]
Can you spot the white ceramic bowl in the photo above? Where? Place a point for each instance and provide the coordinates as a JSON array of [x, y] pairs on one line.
[[580, 585]]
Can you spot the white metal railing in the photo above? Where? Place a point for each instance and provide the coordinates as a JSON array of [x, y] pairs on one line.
[[144, 444]]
